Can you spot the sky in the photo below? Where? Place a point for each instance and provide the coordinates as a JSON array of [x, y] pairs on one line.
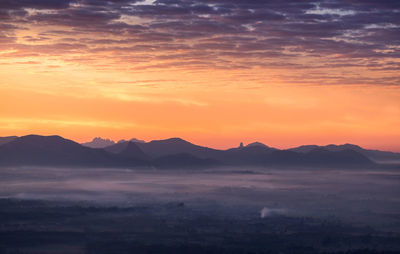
[[214, 72]]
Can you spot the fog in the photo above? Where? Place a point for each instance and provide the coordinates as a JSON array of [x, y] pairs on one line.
[[359, 197]]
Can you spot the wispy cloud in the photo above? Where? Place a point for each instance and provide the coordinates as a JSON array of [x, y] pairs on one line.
[[22, 123]]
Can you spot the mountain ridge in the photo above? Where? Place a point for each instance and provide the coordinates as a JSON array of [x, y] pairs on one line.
[[376, 155], [176, 152], [57, 151]]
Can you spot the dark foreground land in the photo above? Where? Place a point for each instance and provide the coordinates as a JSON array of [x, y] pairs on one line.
[[242, 210], [68, 227]]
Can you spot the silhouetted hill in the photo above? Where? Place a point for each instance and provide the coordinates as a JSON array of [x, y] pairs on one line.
[[99, 143], [372, 154], [257, 144], [5, 140], [158, 148], [335, 148], [376, 155], [265, 156], [304, 148], [247, 155], [320, 156], [57, 151], [127, 150], [184, 160], [256, 154]]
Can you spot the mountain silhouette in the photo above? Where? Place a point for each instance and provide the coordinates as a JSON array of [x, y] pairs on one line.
[[127, 150], [375, 155], [5, 140], [254, 154], [320, 156], [159, 148], [265, 156], [99, 143], [175, 153], [247, 155], [257, 144], [57, 151], [304, 148], [132, 140]]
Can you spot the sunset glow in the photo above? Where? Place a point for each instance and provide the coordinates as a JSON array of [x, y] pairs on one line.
[[212, 72]]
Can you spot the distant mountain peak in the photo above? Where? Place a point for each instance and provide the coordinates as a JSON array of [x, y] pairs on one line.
[[127, 149], [34, 138], [256, 144], [343, 146], [175, 145], [135, 140], [352, 145], [176, 139], [99, 139], [99, 142], [171, 140]]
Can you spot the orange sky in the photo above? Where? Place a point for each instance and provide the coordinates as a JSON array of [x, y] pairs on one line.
[[49, 86]]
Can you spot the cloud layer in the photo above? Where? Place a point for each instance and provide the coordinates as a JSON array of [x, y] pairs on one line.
[[324, 42]]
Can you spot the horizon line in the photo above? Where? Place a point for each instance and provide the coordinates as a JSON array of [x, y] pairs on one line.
[[230, 147]]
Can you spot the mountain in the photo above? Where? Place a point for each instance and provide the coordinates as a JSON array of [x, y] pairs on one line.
[[266, 156], [127, 150], [175, 153], [132, 140], [254, 154], [5, 140], [321, 156], [57, 151], [304, 148], [99, 143], [168, 153], [103, 143], [158, 148], [246, 155], [375, 155], [257, 144]]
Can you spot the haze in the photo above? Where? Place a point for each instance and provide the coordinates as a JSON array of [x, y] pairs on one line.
[[356, 197]]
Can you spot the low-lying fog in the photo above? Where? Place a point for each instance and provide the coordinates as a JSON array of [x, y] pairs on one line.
[[355, 196]]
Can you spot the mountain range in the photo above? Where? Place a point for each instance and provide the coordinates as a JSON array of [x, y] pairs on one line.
[[99, 142], [179, 153], [57, 151]]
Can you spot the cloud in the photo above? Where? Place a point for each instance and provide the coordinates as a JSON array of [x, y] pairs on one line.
[[24, 123], [208, 33], [34, 4]]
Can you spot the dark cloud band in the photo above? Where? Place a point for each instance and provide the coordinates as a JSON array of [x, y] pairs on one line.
[[214, 33]]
